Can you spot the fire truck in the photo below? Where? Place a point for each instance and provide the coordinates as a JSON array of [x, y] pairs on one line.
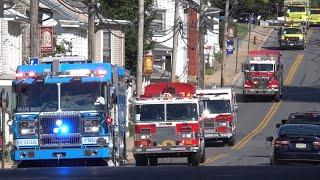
[[167, 124], [219, 114], [69, 111], [292, 35], [297, 11], [262, 74]]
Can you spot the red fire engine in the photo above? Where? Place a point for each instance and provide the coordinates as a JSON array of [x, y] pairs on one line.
[[167, 124], [263, 74]]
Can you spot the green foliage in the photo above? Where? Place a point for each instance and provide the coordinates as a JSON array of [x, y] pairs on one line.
[[129, 10], [265, 8]]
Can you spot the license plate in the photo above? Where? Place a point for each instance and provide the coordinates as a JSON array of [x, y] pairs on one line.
[[301, 146], [210, 135], [291, 44]]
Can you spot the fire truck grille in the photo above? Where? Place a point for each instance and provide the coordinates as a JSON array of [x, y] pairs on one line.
[[292, 39], [208, 123], [64, 133], [54, 140], [261, 82], [165, 133]]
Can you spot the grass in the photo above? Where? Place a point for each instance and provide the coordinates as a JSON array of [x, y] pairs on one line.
[[209, 71], [242, 30]]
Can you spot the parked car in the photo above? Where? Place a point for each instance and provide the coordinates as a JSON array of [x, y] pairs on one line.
[[309, 117], [295, 143]]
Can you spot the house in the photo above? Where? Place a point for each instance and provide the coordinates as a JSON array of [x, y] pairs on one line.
[[70, 22], [188, 46]]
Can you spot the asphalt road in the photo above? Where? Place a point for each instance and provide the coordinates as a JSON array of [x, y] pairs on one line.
[[249, 157]]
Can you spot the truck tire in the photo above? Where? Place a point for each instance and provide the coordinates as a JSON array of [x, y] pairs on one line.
[[277, 97], [153, 161], [245, 98], [231, 141], [203, 156], [141, 160], [194, 159]]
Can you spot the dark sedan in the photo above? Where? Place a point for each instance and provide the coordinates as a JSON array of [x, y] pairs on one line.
[[295, 143], [309, 117]]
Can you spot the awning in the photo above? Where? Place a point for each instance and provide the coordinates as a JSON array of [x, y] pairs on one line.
[[12, 15]]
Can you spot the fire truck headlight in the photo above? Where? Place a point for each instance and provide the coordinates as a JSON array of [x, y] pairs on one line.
[[27, 131], [186, 135], [145, 136], [223, 124], [91, 129]]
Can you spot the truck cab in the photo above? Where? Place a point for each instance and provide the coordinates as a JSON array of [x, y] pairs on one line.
[[67, 111], [262, 74], [219, 114], [167, 124], [315, 16], [297, 11], [292, 36]]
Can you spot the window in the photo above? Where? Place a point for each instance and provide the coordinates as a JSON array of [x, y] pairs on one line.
[[106, 49], [158, 24]]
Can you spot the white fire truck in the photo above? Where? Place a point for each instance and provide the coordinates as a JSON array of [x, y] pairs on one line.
[[219, 114], [167, 124]]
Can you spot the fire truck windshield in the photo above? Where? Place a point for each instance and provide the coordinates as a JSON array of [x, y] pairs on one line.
[[261, 67], [36, 97], [296, 9], [292, 31], [79, 96], [217, 106], [175, 112], [183, 112]]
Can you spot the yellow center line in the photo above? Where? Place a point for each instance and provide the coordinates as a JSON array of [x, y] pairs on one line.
[[214, 158], [265, 120]]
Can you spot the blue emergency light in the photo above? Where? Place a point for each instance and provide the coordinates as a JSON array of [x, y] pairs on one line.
[[61, 129]]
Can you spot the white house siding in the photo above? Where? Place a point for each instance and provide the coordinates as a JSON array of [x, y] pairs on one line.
[[117, 53], [168, 5], [212, 42], [11, 52], [98, 46]]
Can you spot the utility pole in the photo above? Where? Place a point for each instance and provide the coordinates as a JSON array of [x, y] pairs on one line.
[[34, 29], [140, 48], [91, 34], [201, 64], [224, 45], [175, 41], [249, 28]]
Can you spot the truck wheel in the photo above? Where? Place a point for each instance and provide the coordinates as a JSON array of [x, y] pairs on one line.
[[153, 161], [245, 98], [277, 97], [203, 156], [194, 159], [141, 160], [231, 141]]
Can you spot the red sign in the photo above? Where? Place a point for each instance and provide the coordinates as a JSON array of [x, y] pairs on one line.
[[47, 39]]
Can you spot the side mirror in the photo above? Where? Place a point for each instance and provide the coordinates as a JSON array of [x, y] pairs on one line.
[[236, 108], [278, 125], [270, 138], [283, 121]]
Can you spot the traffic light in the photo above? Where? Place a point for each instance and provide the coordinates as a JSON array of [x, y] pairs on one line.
[[148, 65]]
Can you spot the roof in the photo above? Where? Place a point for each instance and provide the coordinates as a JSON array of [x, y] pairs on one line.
[[264, 52], [159, 88], [11, 14], [68, 10], [215, 93]]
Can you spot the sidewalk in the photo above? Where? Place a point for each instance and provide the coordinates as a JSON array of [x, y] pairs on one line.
[[230, 72]]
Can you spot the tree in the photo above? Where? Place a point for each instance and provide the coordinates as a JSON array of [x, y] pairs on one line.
[[128, 10]]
